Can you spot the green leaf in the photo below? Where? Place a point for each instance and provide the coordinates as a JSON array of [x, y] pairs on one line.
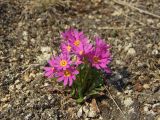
[[73, 92], [80, 100]]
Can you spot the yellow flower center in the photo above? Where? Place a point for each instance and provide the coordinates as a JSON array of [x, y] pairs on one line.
[[77, 42], [52, 68], [95, 59], [68, 48], [81, 52], [67, 73], [63, 63]]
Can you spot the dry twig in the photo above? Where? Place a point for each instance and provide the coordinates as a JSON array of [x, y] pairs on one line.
[[31, 65], [112, 28], [115, 102], [135, 8]]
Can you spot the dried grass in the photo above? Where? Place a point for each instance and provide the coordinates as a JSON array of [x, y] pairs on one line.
[[45, 3]]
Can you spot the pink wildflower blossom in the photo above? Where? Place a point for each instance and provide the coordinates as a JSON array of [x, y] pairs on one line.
[[49, 71], [78, 39], [100, 56], [67, 76], [67, 35], [66, 47], [63, 62], [83, 50]]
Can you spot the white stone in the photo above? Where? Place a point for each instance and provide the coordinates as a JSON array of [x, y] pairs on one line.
[[146, 86], [43, 58], [150, 21], [158, 25], [79, 113], [17, 81], [158, 118], [127, 47], [86, 110], [33, 40], [100, 118], [128, 102], [146, 109], [92, 114], [119, 93], [11, 88], [155, 52], [19, 86], [45, 49], [25, 35], [131, 52]]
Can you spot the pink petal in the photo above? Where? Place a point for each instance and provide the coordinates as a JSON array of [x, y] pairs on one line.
[[60, 79], [65, 81], [70, 81], [47, 68], [48, 73], [76, 72], [73, 77], [107, 70]]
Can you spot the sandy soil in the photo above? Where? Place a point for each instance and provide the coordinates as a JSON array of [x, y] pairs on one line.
[[30, 34]]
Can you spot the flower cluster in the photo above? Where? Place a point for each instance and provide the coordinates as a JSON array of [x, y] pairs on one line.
[[76, 52]]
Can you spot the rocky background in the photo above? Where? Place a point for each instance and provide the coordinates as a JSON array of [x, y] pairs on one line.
[[30, 34]]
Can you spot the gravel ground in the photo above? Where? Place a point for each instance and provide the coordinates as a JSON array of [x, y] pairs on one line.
[[30, 34]]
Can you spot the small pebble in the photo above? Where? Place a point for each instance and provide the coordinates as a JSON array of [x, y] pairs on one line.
[[131, 52], [25, 35], [150, 21], [45, 49], [28, 117], [92, 114], [11, 88], [86, 110], [128, 102], [146, 86], [146, 109], [128, 47], [158, 118], [26, 78], [79, 113], [19, 86], [17, 81], [158, 25], [155, 52]]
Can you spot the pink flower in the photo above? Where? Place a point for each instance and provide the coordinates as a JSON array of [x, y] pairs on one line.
[[62, 62], [75, 37], [77, 60], [101, 45], [78, 39], [100, 57], [83, 50], [67, 35], [67, 76], [66, 47], [50, 71]]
